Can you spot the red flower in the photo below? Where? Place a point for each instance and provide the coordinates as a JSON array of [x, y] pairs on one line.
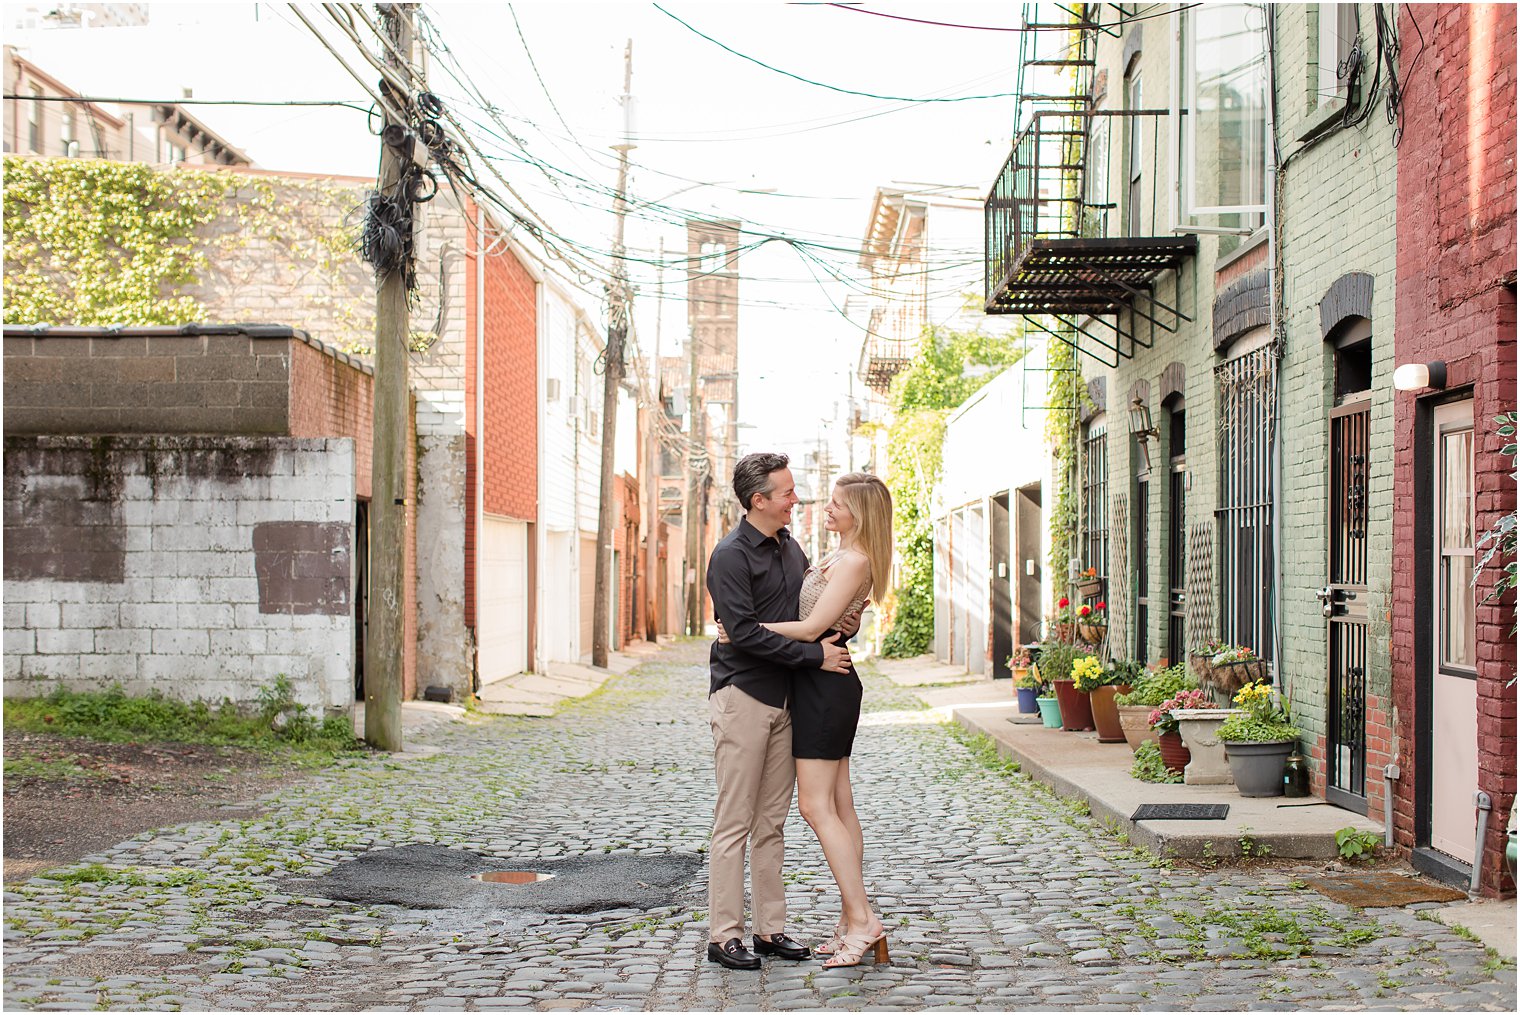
[[1084, 611], [1101, 605], [1063, 602]]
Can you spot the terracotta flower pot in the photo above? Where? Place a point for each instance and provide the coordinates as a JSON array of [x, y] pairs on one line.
[[1076, 707], [1173, 753], [1133, 720], [1106, 713]]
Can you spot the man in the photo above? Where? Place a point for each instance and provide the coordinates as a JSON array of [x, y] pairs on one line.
[[755, 577]]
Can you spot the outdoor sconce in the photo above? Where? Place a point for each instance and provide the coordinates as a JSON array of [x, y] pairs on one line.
[[1414, 376], [1140, 427]]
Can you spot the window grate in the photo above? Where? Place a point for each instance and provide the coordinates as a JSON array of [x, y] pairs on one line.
[[1095, 499], [1247, 387]]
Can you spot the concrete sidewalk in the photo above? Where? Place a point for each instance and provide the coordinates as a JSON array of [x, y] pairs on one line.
[[1076, 766], [541, 694]]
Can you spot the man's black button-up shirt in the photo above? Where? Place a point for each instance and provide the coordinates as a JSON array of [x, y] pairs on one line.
[[755, 579]]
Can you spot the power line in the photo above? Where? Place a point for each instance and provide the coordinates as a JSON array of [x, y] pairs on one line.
[[1000, 28], [820, 84], [193, 102]]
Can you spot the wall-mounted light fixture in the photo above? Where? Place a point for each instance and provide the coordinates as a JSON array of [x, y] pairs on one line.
[[1414, 376], [1141, 429]]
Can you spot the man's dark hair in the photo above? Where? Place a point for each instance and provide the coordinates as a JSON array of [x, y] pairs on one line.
[[753, 475]]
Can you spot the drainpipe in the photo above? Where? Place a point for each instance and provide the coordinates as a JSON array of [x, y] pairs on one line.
[[1485, 805], [1390, 776], [479, 492], [1275, 326]]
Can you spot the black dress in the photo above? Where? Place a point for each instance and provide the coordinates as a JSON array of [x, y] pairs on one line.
[[825, 706]]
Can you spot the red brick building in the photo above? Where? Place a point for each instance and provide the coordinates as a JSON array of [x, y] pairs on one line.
[[1454, 658], [501, 436]]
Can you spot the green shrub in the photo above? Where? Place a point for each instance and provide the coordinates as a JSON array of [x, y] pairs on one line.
[[1148, 766], [1152, 687], [1056, 659], [1355, 844]]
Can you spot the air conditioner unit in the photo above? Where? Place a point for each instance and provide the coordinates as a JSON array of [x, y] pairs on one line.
[[551, 390]]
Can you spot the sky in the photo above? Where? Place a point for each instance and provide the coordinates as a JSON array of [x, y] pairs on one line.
[[703, 115]]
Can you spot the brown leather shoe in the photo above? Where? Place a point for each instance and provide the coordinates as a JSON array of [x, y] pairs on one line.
[[781, 946]]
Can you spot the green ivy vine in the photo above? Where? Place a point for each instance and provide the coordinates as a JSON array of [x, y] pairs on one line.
[[1065, 394], [91, 242], [936, 381]]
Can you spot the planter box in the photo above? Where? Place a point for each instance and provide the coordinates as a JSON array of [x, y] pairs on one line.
[[1076, 707], [1090, 588], [1199, 728], [1106, 713], [1257, 765], [1093, 634], [1227, 678], [1132, 719]]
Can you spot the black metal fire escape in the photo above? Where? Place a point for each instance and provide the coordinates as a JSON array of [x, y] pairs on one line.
[[1055, 251]]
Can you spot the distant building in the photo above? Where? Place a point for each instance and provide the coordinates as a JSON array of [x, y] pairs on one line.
[[26, 17], [40, 121]]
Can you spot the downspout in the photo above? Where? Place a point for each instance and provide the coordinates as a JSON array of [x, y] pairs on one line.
[[540, 533], [1390, 776], [1485, 806], [480, 416], [1275, 327]]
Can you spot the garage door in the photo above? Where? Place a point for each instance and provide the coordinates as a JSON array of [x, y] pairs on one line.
[[502, 616]]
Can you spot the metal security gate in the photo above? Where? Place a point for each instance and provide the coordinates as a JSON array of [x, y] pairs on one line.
[[1344, 598]]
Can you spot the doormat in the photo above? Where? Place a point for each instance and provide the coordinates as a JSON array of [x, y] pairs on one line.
[[1382, 888], [1180, 812]]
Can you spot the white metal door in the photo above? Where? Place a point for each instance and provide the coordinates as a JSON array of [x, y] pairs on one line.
[[978, 590], [501, 615], [1454, 687], [561, 600], [942, 590]]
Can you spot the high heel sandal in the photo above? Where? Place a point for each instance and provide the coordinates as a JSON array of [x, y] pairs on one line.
[[853, 948], [831, 946]]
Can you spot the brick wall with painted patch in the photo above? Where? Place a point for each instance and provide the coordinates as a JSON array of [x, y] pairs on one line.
[[199, 567]]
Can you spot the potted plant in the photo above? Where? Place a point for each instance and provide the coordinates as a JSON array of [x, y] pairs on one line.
[[1198, 720], [1115, 679], [1257, 741], [1088, 583], [1163, 719], [1151, 688], [1062, 624], [1055, 666], [1026, 684], [1092, 622]]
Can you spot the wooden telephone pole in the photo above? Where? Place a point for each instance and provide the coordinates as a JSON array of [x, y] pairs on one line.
[[617, 332], [383, 648], [695, 513]]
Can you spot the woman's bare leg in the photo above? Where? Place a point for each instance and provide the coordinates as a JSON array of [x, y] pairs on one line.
[[844, 805], [817, 782]]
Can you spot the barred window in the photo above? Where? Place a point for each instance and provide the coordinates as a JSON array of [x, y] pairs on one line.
[[1247, 388], [1095, 498]]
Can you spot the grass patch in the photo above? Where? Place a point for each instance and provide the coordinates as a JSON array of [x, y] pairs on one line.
[[984, 752], [56, 769], [276, 725]]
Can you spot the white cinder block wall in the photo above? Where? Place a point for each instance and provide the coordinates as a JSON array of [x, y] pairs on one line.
[[197, 567]]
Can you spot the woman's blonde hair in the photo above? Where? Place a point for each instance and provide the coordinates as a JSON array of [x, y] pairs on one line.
[[870, 502]]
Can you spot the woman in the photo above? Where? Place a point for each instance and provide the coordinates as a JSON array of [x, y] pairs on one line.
[[826, 706]]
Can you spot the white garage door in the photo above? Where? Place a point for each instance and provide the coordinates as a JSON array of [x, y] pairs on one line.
[[501, 616]]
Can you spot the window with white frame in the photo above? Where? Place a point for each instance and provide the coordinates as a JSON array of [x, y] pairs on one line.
[[34, 121], [1221, 156], [1335, 31]]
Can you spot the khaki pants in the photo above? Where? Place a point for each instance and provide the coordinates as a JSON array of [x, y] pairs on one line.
[[752, 756]]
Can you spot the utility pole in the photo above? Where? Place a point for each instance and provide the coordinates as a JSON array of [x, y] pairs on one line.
[[656, 412], [617, 331], [694, 563], [383, 648]]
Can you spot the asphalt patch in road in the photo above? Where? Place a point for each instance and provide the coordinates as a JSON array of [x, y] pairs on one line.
[[438, 877]]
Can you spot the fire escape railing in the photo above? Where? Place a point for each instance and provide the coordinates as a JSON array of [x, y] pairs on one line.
[[1076, 228]]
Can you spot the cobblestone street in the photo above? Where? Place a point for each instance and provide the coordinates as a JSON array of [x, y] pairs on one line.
[[995, 894]]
